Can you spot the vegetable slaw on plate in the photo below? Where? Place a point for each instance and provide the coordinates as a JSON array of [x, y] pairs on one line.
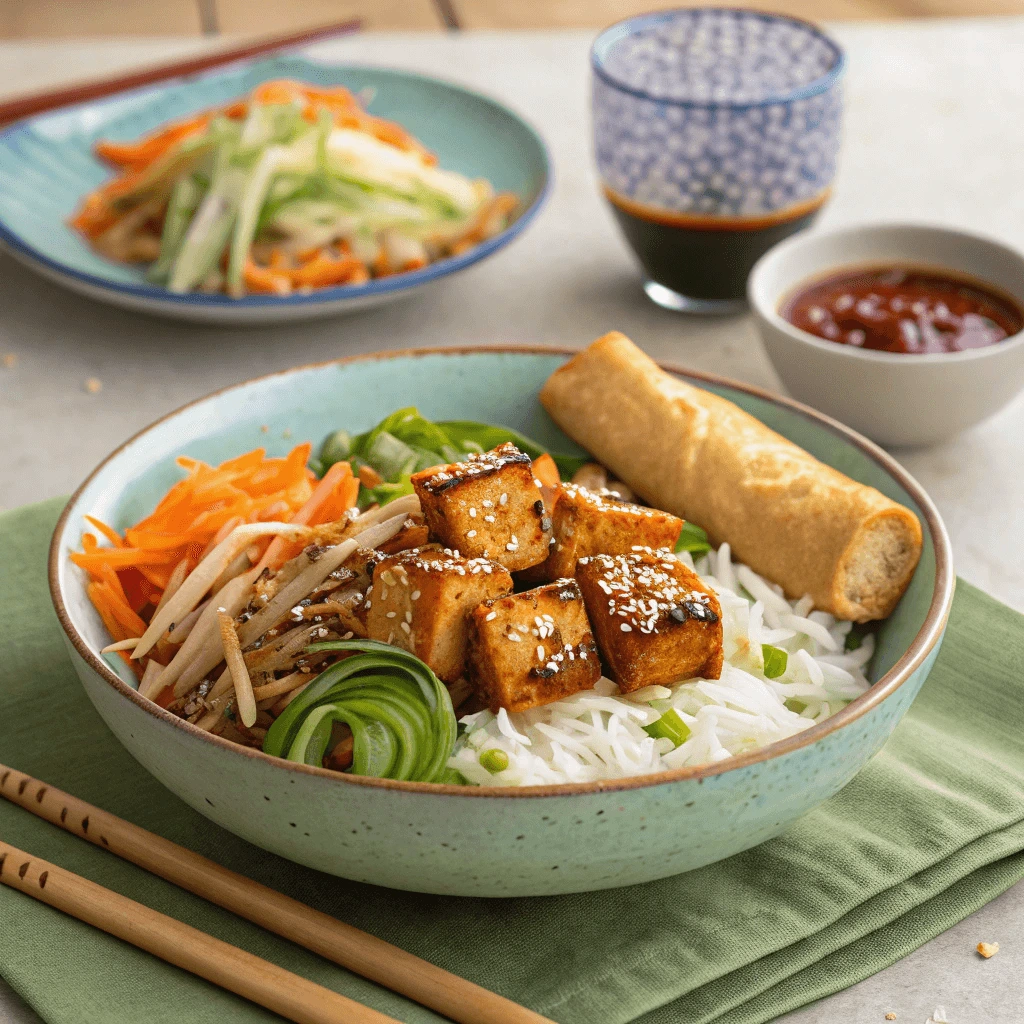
[[291, 189]]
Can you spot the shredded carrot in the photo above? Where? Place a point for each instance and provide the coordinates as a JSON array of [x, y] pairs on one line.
[[381, 266], [323, 271], [545, 470], [264, 281], [111, 535], [280, 90], [135, 156], [278, 260], [129, 577], [334, 496]]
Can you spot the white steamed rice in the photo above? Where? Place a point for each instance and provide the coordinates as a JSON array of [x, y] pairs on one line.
[[598, 734]]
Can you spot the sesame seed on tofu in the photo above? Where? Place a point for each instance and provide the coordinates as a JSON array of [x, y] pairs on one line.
[[515, 676], [488, 506], [653, 619], [432, 592], [585, 522]]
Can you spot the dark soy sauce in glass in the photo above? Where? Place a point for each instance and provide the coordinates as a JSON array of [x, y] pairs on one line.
[[705, 258]]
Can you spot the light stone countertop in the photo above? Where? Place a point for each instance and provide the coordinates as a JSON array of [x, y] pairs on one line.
[[932, 109]]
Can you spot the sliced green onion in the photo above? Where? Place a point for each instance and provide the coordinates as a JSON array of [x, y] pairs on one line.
[[210, 228], [853, 640], [775, 661], [336, 448], [494, 760], [406, 442], [383, 493], [391, 457], [693, 539], [401, 717], [796, 706], [669, 726], [185, 199]]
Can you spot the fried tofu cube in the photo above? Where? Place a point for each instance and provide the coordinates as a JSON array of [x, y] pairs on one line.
[[487, 507], [532, 648], [420, 599], [586, 522], [654, 620]]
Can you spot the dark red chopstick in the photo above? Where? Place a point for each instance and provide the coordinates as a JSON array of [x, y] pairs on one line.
[[36, 103]]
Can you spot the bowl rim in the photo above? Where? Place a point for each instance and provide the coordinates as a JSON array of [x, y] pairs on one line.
[[769, 310], [11, 239], [924, 641], [611, 34]]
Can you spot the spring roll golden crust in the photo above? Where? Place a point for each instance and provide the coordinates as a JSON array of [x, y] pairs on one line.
[[788, 516]]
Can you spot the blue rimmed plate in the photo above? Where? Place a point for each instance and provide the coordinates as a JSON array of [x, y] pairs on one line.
[[47, 165]]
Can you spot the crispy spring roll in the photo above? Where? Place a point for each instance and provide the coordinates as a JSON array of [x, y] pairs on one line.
[[788, 516]]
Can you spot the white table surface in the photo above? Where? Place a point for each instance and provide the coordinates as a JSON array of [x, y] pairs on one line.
[[932, 133]]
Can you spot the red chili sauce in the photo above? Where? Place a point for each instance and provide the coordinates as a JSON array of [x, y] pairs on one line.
[[901, 309]]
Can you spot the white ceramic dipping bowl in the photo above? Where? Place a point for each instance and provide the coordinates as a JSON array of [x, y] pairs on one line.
[[896, 399]]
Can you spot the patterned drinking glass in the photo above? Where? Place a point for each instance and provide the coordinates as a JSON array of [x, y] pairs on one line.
[[716, 133]]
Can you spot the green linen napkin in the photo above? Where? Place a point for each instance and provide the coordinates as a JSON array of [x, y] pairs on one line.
[[931, 830]]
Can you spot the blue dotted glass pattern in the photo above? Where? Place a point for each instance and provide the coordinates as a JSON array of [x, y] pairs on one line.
[[716, 112]]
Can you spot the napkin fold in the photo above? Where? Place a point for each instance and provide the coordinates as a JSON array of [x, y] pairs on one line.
[[931, 830]]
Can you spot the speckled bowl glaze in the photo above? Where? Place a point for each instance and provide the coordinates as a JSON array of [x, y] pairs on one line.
[[47, 165], [462, 840]]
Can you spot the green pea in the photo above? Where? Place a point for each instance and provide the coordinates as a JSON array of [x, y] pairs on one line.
[[494, 760]]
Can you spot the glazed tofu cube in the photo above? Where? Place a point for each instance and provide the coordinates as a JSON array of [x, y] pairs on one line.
[[420, 599], [487, 507], [654, 620], [532, 648], [588, 522]]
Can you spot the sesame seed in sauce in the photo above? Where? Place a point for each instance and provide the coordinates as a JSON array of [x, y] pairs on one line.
[[490, 617]]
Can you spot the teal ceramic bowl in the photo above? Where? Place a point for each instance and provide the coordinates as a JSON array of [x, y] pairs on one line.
[[47, 166], [462, 840]]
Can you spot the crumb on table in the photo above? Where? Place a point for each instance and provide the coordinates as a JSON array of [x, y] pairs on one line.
[[890, 1016], [988, 949], [10, 360], [94, 385]]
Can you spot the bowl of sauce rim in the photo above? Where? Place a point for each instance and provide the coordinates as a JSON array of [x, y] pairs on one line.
[[902, 308]]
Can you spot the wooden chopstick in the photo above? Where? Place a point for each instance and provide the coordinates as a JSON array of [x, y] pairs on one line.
[[36, 103], [225, 965], [355, 950]]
